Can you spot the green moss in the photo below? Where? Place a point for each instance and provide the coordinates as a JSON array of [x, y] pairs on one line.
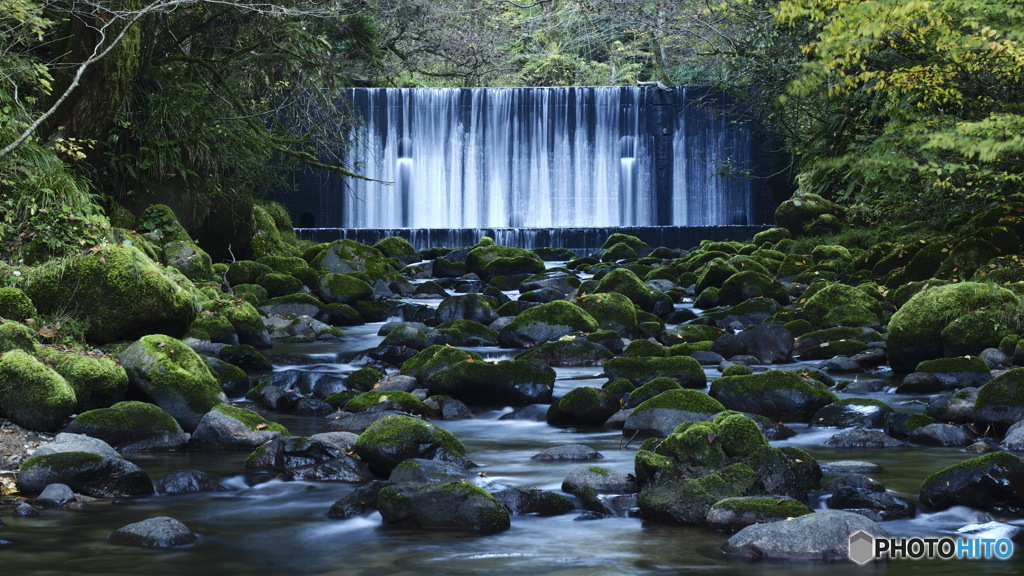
[[798, 327], [866, 335], [128, 416], [765, 507], [650, 390], [682, 399], [827, 252], [463, 331], [160, 219], [750, 284], [492, 260], [344, 288], [794, 265], [687, 371], [995, 459], [737, 370], [98, 381], [273, 233], [842, 305], [626, 282], [246, 272], [251, 419], [557, 313], [707, 298], [395, 246], [740, 436], [620, 251], [713, 274], [32, 394], [117, 291], [15, 305], [599, 471], [254, 294], [1005, 389], [770, 236], [688, 348], [633, 242], [365, 378], [177, 369], [435, 358], [16, 336], [834, 348], [351, 257], [915, 330], [410, 431], [643, 348], [367, 400], [61, 461], [618, 387], [612, 311], [770, 381], [951, 365], [279, 284]]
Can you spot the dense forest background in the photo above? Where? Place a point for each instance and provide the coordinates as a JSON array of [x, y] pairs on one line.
[[898, 109]]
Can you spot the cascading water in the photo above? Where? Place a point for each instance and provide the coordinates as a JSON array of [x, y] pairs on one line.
[[545, 158]]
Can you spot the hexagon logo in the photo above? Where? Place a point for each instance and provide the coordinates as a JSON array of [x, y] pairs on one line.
[[862, 547]]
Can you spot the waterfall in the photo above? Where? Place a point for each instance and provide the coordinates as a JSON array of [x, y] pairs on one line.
[[544, 158]]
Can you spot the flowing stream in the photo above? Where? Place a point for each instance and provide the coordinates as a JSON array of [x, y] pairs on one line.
[[280, 527]]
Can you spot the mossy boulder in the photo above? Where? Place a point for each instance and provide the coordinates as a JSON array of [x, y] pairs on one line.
[[583, 406], [368, 400], [475, 307], [32, 394], [663, 413], [15, 304], [750, 284], [188, 258], [227, 427], [966, 258], [638, 245], [802, 209], [173, 377], [285, 265], [546, 322], [430, 360], [624, 281], [617, 252], [643, 348], [771, 236], [98, 380], [392, 439], [277, 284], [834, 348], [343, 289], [612, 311], [395, 247], [781, 395], [86, 473], [273, 233], [975, 331], [117, 291], [464, 332], [16, 336], [713, 274], [1000, 402], [246, 272], [309, 458], [684, 369], [504, 383], [350, 257], [842, 305], [457, 506], [492, 260], [915, 330], [131, 426], [569, 352], [992, 481], [687, 502]]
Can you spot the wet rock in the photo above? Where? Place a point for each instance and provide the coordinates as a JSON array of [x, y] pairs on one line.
[[24, 510], [86, 473], [861, 438], [277, 398], [660, 415], [357, 422], [522, 501], [957, 407], [785, 396], [838, 467], [473, 307], [851, 413], [640, 370], [420, 471], [995, 358], [1014, 439], [884, 505], [707, 358], [504, 383], [312, 407], [450, 506], [870, 358], [991, 481], [940, 435], [68, 442], [568, 452], [583, 406], [159, 532], [446, 408], [55, 496], [858, 481], [900, 424], [600, 480], [545, 323], [862, 386], [389, 441], [769, 342], [233, 428], [575, 352], [302, 458], [920, 383], [840, 364], [1000, 402], [360, 501], [819, 536], [188, 482], [733, 514]]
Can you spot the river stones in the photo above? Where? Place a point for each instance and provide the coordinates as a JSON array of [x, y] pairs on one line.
[[54, 496], [851, 412], [449, 506], [1000, 402], [131, 426], [32, 394], [389, 441], [991, 481], [863, 438], [159, 532], [420, 471], [733, 514], [233, 428], [304, 458], [819, 536], [785, 396], [660, 415], [583, 406], [544, 323], [523, 501], [86, 473], [503, 383], [877, 505], [188, 482], [568, 452]]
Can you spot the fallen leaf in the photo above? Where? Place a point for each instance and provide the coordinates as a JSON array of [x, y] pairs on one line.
[[261, 426]]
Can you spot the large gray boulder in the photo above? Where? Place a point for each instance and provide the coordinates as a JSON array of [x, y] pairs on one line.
[[449, 506], [819, 536], [159, 532]]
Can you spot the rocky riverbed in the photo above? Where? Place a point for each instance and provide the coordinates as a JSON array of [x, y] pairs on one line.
[[716, 375]]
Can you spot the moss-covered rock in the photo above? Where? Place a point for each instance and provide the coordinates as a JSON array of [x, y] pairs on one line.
[[350, 257], [32, 394], [831, 349], [617, 252], [98, 381], [842, 305], [86, 473], [393, 439], [16, 336], [343, 289], [643, 348], [277, 284], [1000, 402], [584, 406], [546, 322], [442, 506], [733, 514], [781, 395], [189, 259], [492, 260], [966, 258], [992, 481], [568, 352], [687, 502], [433, 359], [394, 246], [915, 330], [173, 376], [650, 390], [15, 304], [504, 383], [246, 272], [624, 281], [750, 284], [367, 400], [131, 426], [273, 233], [117, 291], [683, 369], [464, 332], [612, 311], [802, 209]]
